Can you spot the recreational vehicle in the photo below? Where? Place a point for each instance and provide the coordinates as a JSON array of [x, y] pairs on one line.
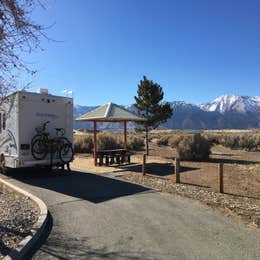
[[36, 129]]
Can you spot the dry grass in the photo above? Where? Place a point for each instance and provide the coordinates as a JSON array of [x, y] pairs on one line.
[[83, 143]]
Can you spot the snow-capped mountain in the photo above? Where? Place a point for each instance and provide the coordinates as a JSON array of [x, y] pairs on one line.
[[227, 111], [80, 110], [231, 103]]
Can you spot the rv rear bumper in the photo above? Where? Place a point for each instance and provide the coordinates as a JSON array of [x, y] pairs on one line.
[[33, 163], [13, 161]]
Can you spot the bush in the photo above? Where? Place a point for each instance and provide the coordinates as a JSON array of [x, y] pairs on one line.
[[83, 143], [212, 138], [232, 141], [163, 140], [175, 140], [258, 142], [194, 148], [107, 141], [249, 143], [242, 141], [135, 143]]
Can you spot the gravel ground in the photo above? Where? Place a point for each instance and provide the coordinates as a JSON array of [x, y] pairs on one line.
[[17, 216], [243, 209]]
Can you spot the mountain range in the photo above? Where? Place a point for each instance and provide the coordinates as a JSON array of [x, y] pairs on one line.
[[224, 112]]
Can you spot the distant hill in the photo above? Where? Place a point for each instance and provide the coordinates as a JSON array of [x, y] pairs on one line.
[[224, 112]]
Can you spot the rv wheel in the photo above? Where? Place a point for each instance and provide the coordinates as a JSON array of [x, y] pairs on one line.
[[3, 168]]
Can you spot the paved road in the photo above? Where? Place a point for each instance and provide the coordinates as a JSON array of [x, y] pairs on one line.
[[95, 217]]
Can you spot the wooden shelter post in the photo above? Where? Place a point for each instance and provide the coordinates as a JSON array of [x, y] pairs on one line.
[[125, 135], [95, 141]]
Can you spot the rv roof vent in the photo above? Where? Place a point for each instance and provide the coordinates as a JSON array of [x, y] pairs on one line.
[[42, 91]]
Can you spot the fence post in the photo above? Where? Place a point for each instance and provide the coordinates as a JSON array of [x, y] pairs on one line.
[[177, 170], [220, 177], [143, 166]]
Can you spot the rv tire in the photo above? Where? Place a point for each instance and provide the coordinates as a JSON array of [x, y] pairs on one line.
[[3, 168]]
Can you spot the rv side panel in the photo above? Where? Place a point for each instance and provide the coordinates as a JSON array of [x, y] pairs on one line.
[[9, 138]]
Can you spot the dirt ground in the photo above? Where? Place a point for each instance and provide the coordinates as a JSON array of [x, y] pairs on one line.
[[199, 180], [241, 169]]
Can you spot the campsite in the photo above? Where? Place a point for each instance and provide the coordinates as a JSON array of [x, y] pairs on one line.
[[129, 129]]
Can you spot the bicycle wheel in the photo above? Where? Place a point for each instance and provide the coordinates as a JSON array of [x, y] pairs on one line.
[[39, 149], [66, 153], [63, 140], [35, 137]]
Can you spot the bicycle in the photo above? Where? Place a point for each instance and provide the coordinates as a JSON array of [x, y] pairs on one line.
[[42, 144]]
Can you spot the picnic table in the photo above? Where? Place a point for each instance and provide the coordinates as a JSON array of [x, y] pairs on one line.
[[113, 156]]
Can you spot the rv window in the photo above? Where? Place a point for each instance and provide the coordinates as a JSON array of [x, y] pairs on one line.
[[4, 121]]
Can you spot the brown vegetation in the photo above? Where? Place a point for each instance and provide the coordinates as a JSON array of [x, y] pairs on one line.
[[105, 140], [245, 141]]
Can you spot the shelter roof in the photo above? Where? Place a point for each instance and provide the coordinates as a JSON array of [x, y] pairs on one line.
[[110, 112]]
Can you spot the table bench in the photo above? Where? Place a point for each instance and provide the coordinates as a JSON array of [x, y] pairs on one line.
[[117, 156]]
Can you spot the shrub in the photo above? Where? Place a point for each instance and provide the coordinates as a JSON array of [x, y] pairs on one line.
[[194, 147], [246, 141], [249, 143], [163, 140], [106, 141], [231, 141], [258, 142], [135, 143], [83, 144], [212, 138], [240, 141], [175, 140]]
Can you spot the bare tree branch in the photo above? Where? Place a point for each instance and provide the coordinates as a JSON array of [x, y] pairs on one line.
[[19, 34]]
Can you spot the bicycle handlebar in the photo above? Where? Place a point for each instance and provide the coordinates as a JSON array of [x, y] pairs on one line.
[[46, 123], [42, 128], [61, 130]]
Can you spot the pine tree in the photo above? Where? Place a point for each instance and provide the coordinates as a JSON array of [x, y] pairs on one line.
[[149, 105]]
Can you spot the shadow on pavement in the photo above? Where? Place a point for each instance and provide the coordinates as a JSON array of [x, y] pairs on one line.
[[87, 186], [63, 248]]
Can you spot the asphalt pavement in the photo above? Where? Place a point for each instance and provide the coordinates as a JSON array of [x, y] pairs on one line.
[[98, 217]]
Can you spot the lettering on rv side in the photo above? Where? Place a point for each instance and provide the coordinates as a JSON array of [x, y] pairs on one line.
[[52, 116]]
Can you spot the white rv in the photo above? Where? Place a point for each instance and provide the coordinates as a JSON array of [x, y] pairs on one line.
[[21, 113]]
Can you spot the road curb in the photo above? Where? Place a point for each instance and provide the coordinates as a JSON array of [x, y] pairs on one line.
[[38, 228]]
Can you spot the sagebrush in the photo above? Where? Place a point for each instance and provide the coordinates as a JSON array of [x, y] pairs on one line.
[[194, 148], [245, 141], [106, 141]]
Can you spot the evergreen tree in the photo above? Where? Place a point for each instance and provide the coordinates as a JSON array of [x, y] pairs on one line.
[[149, 105]]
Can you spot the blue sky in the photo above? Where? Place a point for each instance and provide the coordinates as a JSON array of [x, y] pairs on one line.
[[196, 50]]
